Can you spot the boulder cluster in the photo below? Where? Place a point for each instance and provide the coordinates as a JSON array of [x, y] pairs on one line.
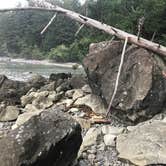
[[61, 121]]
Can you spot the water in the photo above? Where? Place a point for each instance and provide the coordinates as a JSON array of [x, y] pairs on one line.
[[20, 69]]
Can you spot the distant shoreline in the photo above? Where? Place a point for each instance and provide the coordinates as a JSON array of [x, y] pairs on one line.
[[40, 62]]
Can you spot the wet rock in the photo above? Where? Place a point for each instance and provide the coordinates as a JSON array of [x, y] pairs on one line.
[[9, 113], [93, 101], [46, 139], [145, 145], [141, 92]]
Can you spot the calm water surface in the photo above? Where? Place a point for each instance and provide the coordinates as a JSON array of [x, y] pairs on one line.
[[20, 69]]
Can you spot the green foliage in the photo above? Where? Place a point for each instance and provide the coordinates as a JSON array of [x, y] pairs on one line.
[[59, 54], [20, 31]]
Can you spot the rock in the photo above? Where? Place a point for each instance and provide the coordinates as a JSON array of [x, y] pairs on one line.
[[11, 91], [9, 113], [41, 100], [112, 130], [25, 117], [37, 81], [142, 88], [73, 110], [70, 93], [145, 145], [86, 89], [63, 87], [31, 108], [78, 94], [78, 81], [85, 124], [57, 76], [50, 138], [90, 139], [94, 102], [49, 87], [66, 102], [109, 139]]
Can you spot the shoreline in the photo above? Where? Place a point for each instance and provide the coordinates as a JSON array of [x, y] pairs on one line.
[[40, 62]]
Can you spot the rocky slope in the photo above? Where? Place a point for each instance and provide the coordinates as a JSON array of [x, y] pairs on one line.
[[40, 123]]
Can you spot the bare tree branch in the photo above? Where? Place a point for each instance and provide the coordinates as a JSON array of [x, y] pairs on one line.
[[50, 22], [154, 47], [118, 76], [79, 29]]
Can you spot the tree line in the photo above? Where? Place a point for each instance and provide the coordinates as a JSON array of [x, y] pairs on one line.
[[20, 30]]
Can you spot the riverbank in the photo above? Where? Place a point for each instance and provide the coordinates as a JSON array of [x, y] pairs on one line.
[[21, 69]]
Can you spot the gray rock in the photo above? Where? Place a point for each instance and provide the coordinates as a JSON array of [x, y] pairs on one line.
[[50, 138], [78, 93], [86, 89], [109, 139], [70, 93], [142, 88], [73, 110], [94, 102], [9, 113], [89, 139], [145, 145], [78, 81], [22, 118], [112, 130]]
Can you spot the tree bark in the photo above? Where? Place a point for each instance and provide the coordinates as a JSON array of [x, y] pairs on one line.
[[133, 39]]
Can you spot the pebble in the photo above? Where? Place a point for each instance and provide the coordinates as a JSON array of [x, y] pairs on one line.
[[109, 140], [112, 130]]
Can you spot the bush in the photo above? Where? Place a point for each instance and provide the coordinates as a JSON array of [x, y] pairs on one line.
[[59, 54]]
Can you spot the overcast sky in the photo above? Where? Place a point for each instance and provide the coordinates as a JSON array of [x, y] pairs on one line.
[[12, 3]]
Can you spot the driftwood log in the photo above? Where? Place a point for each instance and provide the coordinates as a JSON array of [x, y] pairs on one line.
[[133, 39]]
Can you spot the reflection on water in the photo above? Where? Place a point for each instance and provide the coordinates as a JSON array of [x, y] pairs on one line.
[[19, 69]]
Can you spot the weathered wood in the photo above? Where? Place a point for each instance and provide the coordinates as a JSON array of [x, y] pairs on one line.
[[133, 39]]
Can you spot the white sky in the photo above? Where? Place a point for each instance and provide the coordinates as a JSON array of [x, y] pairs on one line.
[[13, 3]]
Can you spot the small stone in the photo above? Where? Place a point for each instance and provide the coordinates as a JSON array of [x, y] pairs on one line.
[[70, 93], [73, 110], [77, 94], [9, 113], [109, 140], [86, 88], [112, 130], [89, 139], [91, 158], [85, 124], [81, 115], [101, 147], [131, 128]]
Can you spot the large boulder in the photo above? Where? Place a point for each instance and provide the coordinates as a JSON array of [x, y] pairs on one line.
[[49, 138], [145, 145], [142, 88], [11, 91]]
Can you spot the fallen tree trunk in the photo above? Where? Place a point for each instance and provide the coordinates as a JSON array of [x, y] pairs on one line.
[[133, 39]]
